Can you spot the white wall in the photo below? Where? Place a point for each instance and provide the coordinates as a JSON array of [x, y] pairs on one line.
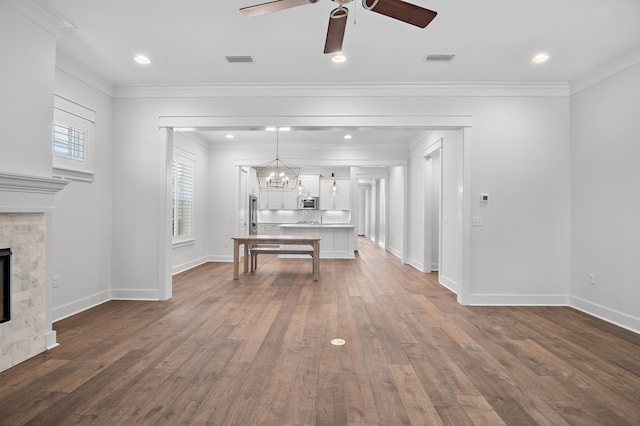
[[82, 220], [451, 229], [435, 182], [396, 220], [26, 100], [520, 157], [382, 213], [605, 198]]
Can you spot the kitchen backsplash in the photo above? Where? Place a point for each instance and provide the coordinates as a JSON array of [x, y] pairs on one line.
[[295, 216]]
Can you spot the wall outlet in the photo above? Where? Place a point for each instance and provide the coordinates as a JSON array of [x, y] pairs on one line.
[[56, 281], [226, 243], [591, 278], [477, 221]]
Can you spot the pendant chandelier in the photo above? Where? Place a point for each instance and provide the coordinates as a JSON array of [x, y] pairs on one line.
[[278, 175]]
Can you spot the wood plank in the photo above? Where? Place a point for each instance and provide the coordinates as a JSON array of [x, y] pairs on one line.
[[258, 352]]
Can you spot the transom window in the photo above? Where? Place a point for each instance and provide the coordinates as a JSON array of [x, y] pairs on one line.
[[68, 141], [72, 144]]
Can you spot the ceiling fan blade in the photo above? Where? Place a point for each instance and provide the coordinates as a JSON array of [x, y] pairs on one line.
[[335, 32], [402, 11], [273, 6]]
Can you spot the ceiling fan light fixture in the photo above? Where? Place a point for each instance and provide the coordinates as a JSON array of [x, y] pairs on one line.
[[402, 11]]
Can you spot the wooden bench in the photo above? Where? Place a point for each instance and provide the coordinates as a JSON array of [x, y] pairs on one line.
[[256, 250]]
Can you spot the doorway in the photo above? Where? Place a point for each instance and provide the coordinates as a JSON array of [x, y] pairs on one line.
[[432, 207], [460, 263]]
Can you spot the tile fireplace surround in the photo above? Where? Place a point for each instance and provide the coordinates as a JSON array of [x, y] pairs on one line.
[[26, 204]]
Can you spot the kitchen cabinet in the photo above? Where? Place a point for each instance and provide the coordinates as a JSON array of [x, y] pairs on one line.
[[269, 229], [310, 185], [278, 200], [340, 200], [337, 240]]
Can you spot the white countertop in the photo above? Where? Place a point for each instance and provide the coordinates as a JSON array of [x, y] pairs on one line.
[[312, 225]]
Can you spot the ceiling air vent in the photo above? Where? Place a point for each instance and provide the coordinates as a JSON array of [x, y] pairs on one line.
[[439, 57], [239, 59]]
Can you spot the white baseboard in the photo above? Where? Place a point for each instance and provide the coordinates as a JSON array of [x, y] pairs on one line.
[[221, 258], [614, 317], [188, 265], [397, 253], [75, 307], [518, 300], [446, 282], [50, 340], [135, 294], [417, 265]]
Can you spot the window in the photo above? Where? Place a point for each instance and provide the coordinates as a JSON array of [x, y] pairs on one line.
[[182, 199], [68, 141], [72, 139]]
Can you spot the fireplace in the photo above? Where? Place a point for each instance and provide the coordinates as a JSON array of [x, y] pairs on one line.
[[26, 203], [5, 285]]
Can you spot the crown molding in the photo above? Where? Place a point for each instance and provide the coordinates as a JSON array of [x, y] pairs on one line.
[[604, 72], [448, 89], [46, 19], [83, 73]]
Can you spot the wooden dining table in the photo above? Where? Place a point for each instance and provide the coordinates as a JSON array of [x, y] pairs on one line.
[[251, 240]]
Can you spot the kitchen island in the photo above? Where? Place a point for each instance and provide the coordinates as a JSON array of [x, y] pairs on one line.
[[338, 240]]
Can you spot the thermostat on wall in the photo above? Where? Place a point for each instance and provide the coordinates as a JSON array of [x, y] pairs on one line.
[[484, 198]]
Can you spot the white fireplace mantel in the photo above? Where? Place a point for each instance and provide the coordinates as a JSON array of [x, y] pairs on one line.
[[28, 183], [26, 193]]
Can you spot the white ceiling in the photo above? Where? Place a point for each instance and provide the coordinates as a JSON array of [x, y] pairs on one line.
[[187, 41], [494, 41]]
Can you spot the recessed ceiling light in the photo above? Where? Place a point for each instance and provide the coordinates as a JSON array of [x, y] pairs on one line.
[[347, 136], [284, 129], [270, 129], [540, 58], [339, 58], [141, 59], [229, 136]]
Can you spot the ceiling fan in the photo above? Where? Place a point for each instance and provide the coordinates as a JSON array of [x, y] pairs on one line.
[[397, 9]]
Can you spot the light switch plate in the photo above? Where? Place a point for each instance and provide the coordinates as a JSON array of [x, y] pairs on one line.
[[477, 221]]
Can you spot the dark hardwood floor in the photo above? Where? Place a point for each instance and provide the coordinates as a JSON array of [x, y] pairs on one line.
[[257, 351]]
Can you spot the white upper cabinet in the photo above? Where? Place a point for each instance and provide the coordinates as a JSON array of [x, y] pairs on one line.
[[278, 200], [338, 200], [310, 185]]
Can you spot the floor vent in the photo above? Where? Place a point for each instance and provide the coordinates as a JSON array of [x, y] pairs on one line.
[[439, 57], [239, 59]]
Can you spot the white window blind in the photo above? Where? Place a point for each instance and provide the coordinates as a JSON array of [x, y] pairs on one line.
[[68, 141], [182, 199]]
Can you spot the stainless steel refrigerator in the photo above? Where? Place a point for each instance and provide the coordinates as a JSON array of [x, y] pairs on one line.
[[253, 215]]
